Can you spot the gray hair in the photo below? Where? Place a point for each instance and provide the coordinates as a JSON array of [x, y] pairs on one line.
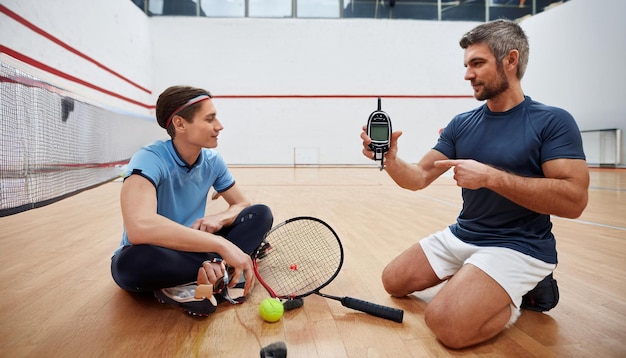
[[501, 36]]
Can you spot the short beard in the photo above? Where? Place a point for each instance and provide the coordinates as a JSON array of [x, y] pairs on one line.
[[492, 91]]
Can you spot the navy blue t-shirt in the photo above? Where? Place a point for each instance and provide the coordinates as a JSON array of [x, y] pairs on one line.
[[518, 141]]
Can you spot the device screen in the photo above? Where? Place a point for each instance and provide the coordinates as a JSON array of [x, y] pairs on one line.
[[379, 132]]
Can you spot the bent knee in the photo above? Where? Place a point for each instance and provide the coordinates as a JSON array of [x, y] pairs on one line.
[[458, 331], [446, 328], [399, 282], [394, 282]]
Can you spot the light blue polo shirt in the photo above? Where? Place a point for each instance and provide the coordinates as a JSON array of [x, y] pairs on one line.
[[181, 189]]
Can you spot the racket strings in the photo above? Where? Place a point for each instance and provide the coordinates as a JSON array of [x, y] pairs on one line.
[[305, 255]]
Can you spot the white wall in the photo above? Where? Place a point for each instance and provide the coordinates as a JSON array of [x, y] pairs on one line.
[[577, 62], [315, 57], [576, 51], [114, 33]]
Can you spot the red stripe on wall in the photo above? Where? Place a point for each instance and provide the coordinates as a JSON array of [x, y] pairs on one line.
[[44, 67], [59, 167], [43, 33], [54, 71], [434, 96]]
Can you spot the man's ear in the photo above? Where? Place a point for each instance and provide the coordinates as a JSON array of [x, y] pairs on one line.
[[511, 60], [179, 123]]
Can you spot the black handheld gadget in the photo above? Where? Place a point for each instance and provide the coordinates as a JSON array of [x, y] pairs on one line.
[[379, 131]]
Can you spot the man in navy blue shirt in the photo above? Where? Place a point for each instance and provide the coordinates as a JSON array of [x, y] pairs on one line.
[[518, 162]]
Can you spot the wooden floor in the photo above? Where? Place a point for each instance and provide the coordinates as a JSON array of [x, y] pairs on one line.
[[57, 298]]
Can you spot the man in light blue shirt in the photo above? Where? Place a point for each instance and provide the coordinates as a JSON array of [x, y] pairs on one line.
[[168, 245]]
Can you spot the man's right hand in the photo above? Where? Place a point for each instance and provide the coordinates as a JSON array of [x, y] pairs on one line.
[[241, 262]]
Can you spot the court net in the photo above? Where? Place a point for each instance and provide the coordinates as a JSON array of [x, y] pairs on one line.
[[55, 145]]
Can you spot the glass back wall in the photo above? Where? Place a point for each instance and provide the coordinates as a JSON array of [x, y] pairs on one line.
[[436, 10]]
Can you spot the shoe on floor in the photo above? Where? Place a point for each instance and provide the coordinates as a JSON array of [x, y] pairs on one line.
[[191, 298], [543, 297]]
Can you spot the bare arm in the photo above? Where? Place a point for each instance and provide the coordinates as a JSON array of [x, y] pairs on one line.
[[236, 201], [408, 176], [563, 191], [144, 226]]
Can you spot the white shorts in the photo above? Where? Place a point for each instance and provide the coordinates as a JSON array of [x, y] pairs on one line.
[[516, 272]]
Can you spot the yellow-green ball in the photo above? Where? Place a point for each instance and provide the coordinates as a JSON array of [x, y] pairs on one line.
[[271, 310]]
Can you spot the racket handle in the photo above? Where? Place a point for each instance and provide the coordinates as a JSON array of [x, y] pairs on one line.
[[294, 303], [392, 314]]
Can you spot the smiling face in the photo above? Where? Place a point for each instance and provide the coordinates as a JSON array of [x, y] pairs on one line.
[[485, 74], [204, 127]]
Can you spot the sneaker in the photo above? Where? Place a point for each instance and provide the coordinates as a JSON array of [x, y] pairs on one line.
[[543, 297], [196, 300]]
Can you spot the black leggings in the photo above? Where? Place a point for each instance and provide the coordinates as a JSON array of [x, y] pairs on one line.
[[145, 268]]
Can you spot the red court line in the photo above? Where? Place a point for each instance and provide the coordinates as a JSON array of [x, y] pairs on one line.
[[261, 96], [44, 67], [54, 71], [43, 33], [56, 168], [87, 165], [29, 82]]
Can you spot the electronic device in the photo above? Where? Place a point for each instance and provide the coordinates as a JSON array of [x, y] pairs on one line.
[[379, 131]]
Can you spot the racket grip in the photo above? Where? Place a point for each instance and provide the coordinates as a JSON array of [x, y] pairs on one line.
[[294, 303], [392, 314]]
